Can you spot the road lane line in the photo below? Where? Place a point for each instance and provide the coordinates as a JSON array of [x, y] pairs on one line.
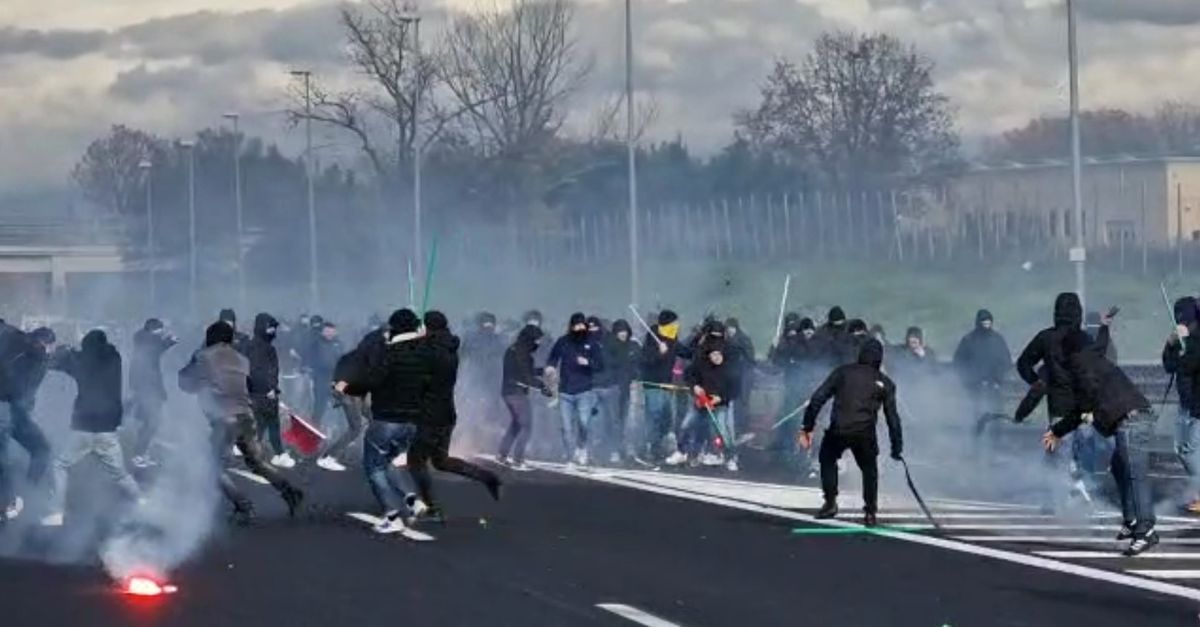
[[636, 615], [1067, 540], [246, 474], [1168, 574], [1099, 555], [1034, 561]]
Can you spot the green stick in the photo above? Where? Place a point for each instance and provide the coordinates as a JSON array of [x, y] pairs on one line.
[[433, 250]]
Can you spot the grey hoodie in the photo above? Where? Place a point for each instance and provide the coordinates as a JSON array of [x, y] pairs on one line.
[[218, 374]]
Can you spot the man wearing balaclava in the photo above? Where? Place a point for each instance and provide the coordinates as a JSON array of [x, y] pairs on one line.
[[576, 358], [859, 391], [660, 350], [264, 386], [798, 356], [1181, 359], [833, 339], [983, 362]]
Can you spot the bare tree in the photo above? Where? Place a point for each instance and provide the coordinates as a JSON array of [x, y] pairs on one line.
[[608, 122], [513, 72], [109, 175], [859, 106]]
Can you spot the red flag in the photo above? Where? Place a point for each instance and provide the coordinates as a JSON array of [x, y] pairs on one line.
[[301, 435]]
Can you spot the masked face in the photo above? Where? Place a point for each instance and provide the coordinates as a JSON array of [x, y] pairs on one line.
[[579, 328], [731, 331], [593, 329], [271, 331], [623, 336], [808, 333], [914, 343]]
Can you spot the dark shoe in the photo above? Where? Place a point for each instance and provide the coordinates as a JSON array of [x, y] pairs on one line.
[[293, 497], [869, 520], [433, 514], [828, 510], [493, 487], [1142, 544], [1126, 532]]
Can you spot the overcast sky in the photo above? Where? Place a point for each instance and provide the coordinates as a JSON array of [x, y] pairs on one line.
[[70, 68]]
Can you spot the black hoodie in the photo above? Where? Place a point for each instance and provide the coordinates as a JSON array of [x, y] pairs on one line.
[[720, 381], [442, 347], [520, 375], [858, 391], [264, 359], [982, 356], [96, 369], [1047, 347], [1182, 359], [833, 341], [799, 357], [1100, 387]]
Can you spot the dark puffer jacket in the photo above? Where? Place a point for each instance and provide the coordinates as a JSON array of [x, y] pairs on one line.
[[96, 369], [398, 380], [1047, 348], [264, 359]]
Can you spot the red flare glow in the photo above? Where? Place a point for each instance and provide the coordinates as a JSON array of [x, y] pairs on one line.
[[720, 442], [146, 587]]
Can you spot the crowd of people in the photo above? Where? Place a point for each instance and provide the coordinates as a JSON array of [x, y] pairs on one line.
[[397, 388]]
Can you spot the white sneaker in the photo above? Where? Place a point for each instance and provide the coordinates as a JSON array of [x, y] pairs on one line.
[[53, 520], [400, 460], [283, 460], [236, 451], [331, 464], [711, 459], [731, 465], [391, 523], [582, 454], [14, 509], [676, 458], [521, 467], [418, 508]]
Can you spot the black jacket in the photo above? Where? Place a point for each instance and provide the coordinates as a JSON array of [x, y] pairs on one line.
[[398, 378], [575, 378], [325, 358], [264, 359], [858, 391], [798, 357], [716, 380], [620, 361], [982, 357], [1047, 348], [835, 345], [145, 365], [1183, 359], [658, 367], [1102, 389], [442, 347], [23, 364], [96, 369], [520, 374]]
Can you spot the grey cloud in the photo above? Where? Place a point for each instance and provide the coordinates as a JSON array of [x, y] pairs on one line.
[[53, 44], [1158, 12], [142, 83]]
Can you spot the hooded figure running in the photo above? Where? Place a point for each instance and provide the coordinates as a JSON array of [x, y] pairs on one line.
[[520, 377], [220, 375], [858, 391], [264, 386]]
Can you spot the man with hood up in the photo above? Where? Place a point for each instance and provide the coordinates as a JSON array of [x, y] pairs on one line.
[[621, 353], [219, 375], [264, 386], [983, 362], [660, 351], [240, 340], [577, 358], [24, 359], [833, 339], [519, 378], [436, 428], [95, 418], [799, 358], [146, 385], [1181, 359], [859, 391]]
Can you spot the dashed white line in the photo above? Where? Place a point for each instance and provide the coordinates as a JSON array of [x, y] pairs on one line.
[[1168, 574], [634, 614]]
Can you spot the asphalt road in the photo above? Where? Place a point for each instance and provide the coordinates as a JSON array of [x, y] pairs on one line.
[[687, 551]]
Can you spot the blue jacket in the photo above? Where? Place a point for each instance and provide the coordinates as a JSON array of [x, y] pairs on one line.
[[573, 377]]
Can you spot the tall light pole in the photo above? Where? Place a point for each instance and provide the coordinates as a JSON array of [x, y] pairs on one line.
[[632, 154], [1079, 252], [237, 194], [411, 17], [190, 147], [152, 260], [313, 290]]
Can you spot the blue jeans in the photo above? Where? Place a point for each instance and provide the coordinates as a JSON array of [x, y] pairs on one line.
[[576, 411], [656, 418], [697, 425], [611, 417], [383, 442], [29, 435], [1131, 469], [1187, 447]]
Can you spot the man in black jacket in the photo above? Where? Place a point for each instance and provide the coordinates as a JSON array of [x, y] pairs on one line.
[[435, 429], [983, 362], [660, 350], [240, 340], [798, 356], [146, 385], [577, 358], [858, 391], [1181, 359], [327, 349], [264, 386], [713, 384], [1115, 407], [24, 359], [96, 369], [744, 360], [398, 375], [621, 353], [833, 339], [520, 376]]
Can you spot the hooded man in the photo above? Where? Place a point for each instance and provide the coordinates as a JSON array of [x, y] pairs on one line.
[[240, 340], [519, 378], [983, 362], [833, 339], [744, 361], [482, 357], [1046, 348], [326, 352], [859, 391], [220, 376], [435, 430], [146, 385], [621, 354], [397, 373], [915, 359], [576, 359], [660, 351], [713, 383], [95, 418], [799, 358], [264, 386], [24, 359], [1181, 359]]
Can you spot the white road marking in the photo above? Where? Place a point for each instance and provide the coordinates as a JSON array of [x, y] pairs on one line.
[[636, 615], [246, 474], [1053, 527], [409, 532], [1099, 555], [1034, 561], [1168, 574], [1068, 540]]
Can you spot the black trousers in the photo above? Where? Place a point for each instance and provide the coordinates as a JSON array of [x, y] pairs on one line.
[[432, 446], [865, 449], [240, 431]]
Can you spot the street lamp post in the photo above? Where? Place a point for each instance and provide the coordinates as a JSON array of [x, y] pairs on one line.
[[632, 154], [1079, 252], [313, 289], [190, 146], [411, 17], [237, 193], [151, 259]]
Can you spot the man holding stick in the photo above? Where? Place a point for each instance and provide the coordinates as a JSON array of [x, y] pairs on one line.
[[657, 364]]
